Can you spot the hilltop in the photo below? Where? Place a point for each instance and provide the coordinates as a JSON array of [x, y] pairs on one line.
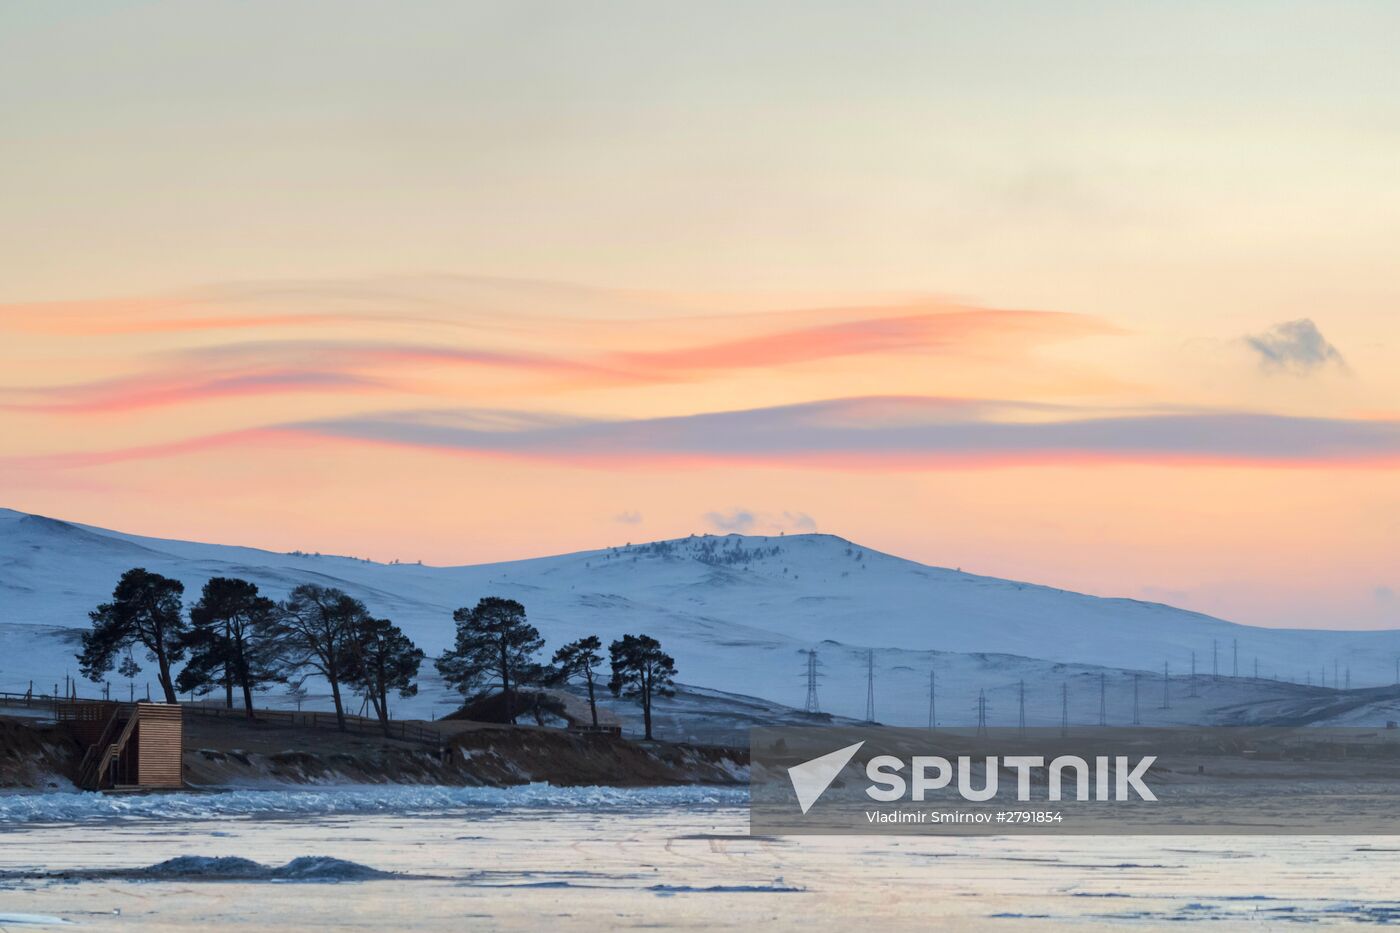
[[736, 611]]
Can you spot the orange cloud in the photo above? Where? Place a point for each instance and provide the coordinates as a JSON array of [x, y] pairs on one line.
[[921, 331], [110, 317]]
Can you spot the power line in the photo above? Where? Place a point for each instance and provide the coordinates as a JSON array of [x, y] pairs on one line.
[[870, 685]]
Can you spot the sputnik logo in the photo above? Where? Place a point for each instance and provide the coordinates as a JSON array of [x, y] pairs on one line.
[[811, 778]]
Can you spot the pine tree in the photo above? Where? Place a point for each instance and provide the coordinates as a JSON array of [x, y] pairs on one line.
[[641, 671], [494, 643], [580, 659], [229, 641], [146, 610], [384, 659]]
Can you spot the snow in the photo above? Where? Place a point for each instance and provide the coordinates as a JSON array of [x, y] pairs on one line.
[[735, 611], [36, 919], [405, 799]]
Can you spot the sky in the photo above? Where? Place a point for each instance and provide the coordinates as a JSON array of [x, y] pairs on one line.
[[1101, 296]]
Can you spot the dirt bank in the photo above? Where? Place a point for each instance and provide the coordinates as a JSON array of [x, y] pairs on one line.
[[233, 752], [228, 752], [36, 757]]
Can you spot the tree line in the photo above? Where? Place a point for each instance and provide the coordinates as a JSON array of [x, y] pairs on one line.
[[237, 639]]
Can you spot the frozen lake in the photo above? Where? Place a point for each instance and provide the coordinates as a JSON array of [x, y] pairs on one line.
[[589, 859]]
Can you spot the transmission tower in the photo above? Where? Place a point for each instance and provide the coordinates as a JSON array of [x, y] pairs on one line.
[[1021, 721], [1137, 718], [1193, 675], [1336, 673], [982, 712], [1235, 665], [1256, 667], [1348, 676], [870, 685], [1215, 660], [932, 692], [1064, 709], [1103, 701], [812, 705], [1166, 676]]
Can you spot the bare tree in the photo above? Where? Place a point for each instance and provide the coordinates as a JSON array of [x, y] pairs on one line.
[[316, 631]]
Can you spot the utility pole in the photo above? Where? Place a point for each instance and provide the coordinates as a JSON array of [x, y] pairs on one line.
[[1193, 675], [1064, 709], [1103, 701], [1021, 722], [1137, 719], [932, 710], [870, 685], [1166, 679], [1235, 670], [812, 705]]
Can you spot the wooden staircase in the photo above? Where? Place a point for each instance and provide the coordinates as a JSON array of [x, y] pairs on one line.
[[94, 773], [126, 746]]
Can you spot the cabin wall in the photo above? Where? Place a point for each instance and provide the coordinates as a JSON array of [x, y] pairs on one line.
[[160, 741]]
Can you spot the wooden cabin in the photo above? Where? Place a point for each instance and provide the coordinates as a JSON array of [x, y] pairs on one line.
[[127, 746]]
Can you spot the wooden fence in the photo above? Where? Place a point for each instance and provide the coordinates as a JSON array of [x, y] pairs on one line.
[[360, 725], [31, 701]]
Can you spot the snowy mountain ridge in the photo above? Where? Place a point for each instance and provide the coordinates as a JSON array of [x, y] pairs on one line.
[[735, 611]]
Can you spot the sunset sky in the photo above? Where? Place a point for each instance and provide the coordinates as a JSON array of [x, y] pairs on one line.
[[1095, 295]]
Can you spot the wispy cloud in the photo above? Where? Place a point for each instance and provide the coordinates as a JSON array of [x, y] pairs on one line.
[[744, 521], [131, 393], [1296, 347], [271, 367], [918, 330], [548, 338], [740, 520], [912, 432], [858, 433]]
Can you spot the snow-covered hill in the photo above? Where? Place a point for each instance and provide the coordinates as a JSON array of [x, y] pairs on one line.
[[735, 611]]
